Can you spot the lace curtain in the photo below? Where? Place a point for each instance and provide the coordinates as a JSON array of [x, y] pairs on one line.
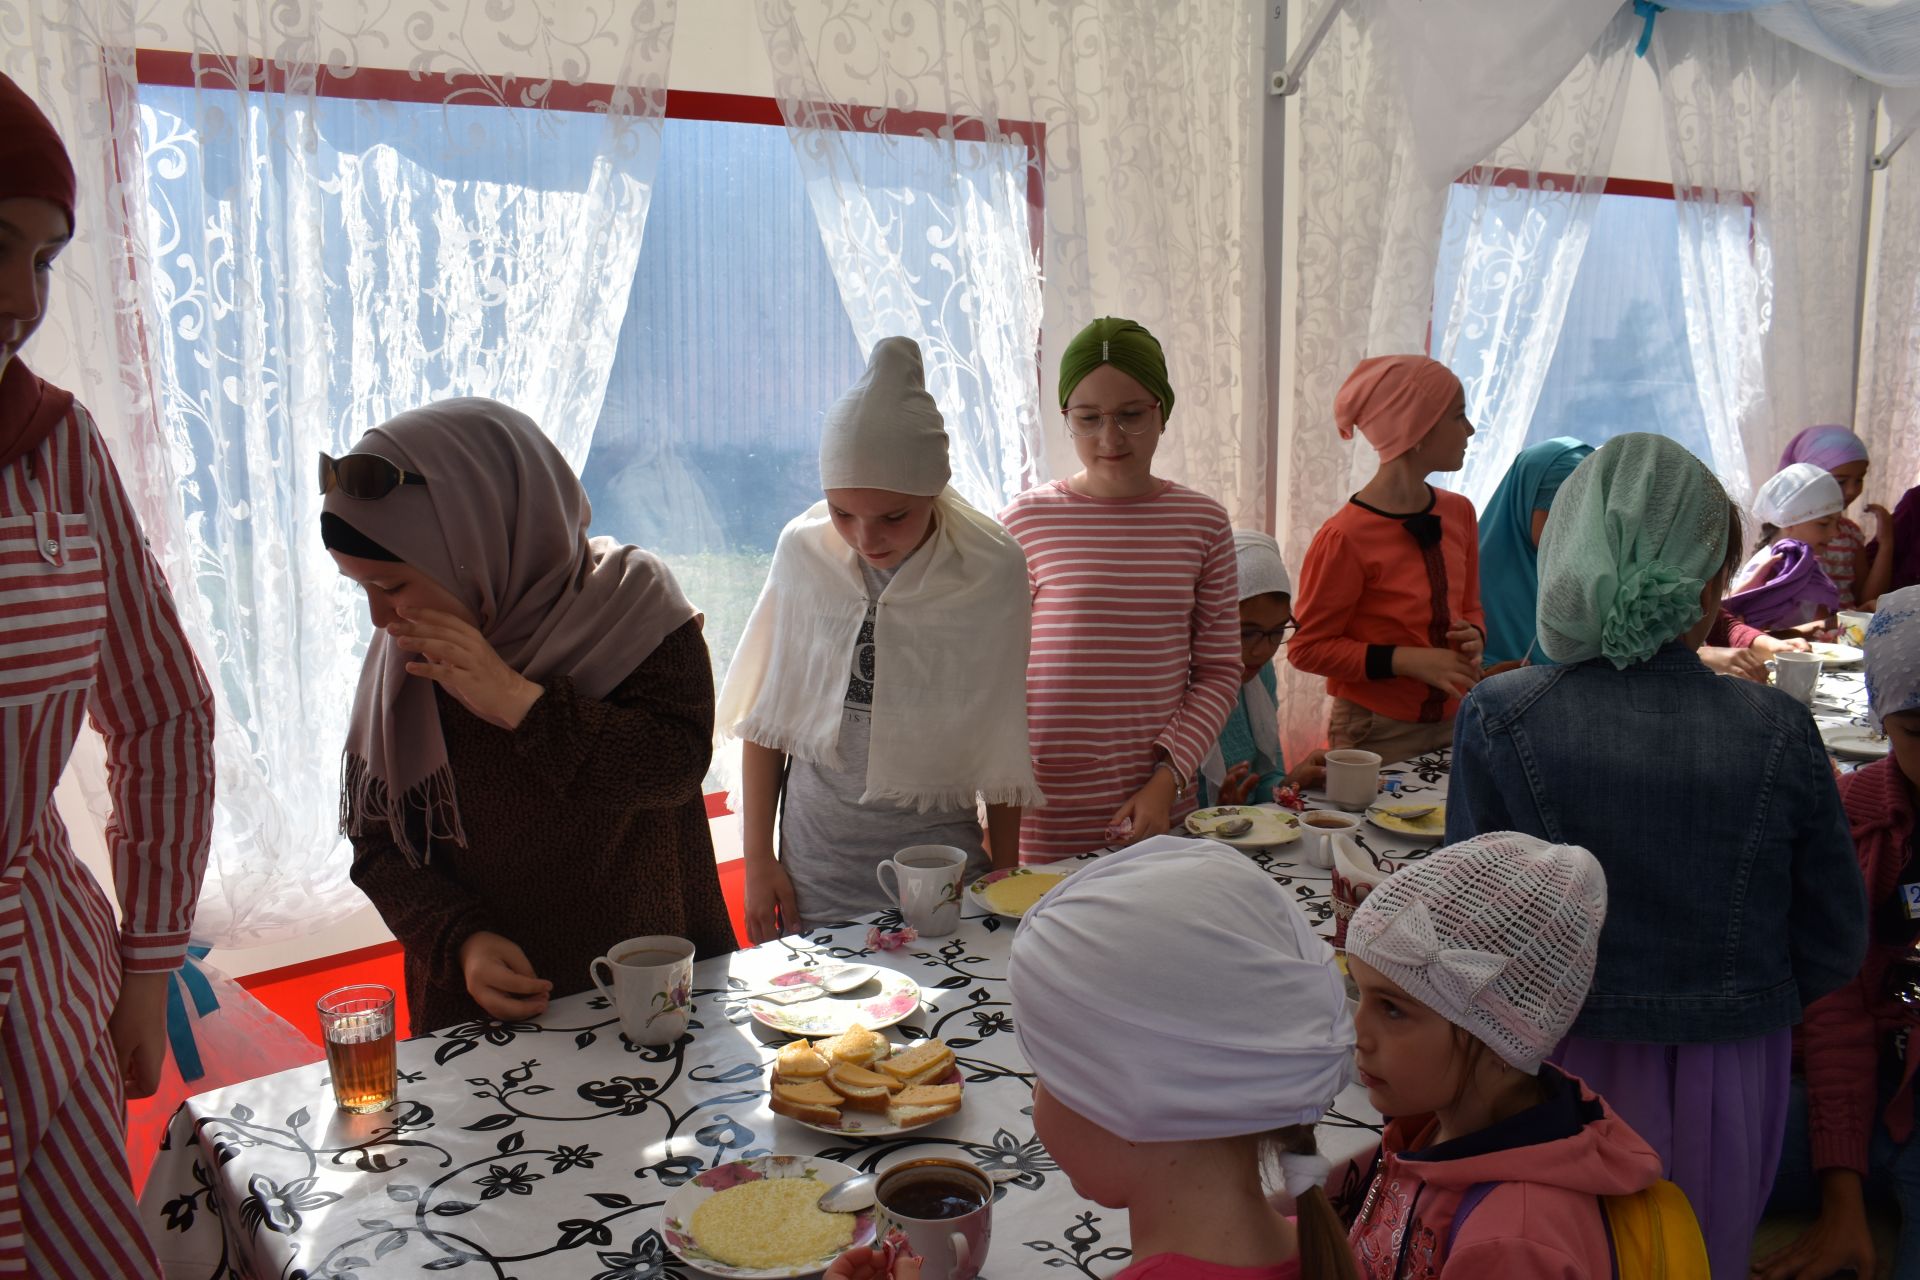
[[289, 256], [1768, 145], [1092, 159], [1889, 410]]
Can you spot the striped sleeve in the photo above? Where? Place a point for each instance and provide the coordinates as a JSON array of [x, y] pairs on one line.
[[152, 704], [1214, 683]]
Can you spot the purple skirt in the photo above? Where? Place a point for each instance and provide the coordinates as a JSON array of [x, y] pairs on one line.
[[1716, 1113]]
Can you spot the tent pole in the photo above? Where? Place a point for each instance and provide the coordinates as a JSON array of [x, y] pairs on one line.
[[1286, 81], [1874, 163], [1273, 161]]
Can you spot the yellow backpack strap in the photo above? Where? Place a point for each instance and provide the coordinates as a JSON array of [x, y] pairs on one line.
[[1653, 1235]]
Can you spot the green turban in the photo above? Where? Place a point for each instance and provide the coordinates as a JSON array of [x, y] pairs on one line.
[[1128, 348]]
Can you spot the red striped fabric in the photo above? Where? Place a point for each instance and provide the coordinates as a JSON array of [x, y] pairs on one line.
[[1136, 649], [87, 626]]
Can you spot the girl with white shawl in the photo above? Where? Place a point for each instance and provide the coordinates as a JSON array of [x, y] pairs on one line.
[[880, 687]]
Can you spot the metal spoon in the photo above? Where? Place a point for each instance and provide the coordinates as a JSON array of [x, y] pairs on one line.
[[858, 1193], [840, 981]]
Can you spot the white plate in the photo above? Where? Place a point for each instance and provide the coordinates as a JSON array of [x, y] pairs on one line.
[[978, 889], [1854, 741], [874, 1124], [1428, 826], [1271, 827], [688, 1196], [1838, 655], [897, 1000]]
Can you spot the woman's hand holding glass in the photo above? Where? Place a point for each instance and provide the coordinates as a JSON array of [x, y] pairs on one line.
[[458, 658]]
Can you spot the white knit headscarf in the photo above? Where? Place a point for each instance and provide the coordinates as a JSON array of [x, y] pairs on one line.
[[1262, 572], [1796, 494], [886, 432], [1172, 991]]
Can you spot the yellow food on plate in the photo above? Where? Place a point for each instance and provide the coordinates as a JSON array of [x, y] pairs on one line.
[[800, 1060], [1427, 824], [1012, 896], [776, 1222], [856, 1045]]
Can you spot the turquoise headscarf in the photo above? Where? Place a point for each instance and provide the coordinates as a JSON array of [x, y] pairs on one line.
[[1637, 530], [1509, 563]]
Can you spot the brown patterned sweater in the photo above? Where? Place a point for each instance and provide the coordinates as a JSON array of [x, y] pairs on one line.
[[586, 826]]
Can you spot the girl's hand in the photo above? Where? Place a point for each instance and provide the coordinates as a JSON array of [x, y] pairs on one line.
[[871, 1264], [1448, 670], [771, 908], [138, 1029], [1311, 772], [465, 665], [501, 979], [1763, 574], [1838, 1241], [1149, 810], [1237, 786], [1465, 639], [1882, 520], [1744, 663], [1768, 646]]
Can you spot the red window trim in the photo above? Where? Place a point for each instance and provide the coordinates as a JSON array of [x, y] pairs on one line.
[[1642, 187]]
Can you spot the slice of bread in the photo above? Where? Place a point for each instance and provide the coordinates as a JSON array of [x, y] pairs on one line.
[[829, 1116], [801, 1061], [806, 1093], [863, 1089], [920, 1064], [923, 1104], [857, 1045]]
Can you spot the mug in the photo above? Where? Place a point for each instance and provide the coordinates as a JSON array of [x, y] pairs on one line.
[[1795, 674], [649, 980], [938, 1210], [927, 886], [1853, 626], [1353, 778], [1318, 827]]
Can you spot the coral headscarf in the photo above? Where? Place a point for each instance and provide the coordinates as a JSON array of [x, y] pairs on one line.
[[33, 163], [501, 524], [1394, 401]]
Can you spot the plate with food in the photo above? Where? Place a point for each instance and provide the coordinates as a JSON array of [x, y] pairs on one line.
[[862, 1086], [1011, 890], [1837, 655], [1405, 818], [1244, 826], [890, 997], [1855, 741], [760, 1219]]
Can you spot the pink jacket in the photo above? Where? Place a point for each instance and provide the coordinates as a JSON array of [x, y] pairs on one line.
[[1540, 1219], [1843, 1034]]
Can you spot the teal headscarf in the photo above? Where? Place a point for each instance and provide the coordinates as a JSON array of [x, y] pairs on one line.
[[1509, 564], [1637, 530], [1127, 347]]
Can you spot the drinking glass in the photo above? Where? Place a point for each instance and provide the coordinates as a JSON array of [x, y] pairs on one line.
[[357, 1024]]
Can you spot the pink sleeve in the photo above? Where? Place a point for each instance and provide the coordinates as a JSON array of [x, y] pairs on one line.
[[1740, 635], [1837, 1047], [1213, 683], [152, 704]]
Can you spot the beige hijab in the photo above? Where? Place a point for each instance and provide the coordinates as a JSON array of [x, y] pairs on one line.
[[501, 524]]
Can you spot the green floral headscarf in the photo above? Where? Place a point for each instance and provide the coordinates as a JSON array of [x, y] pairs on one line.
[[1636, 532], [1127, 347]]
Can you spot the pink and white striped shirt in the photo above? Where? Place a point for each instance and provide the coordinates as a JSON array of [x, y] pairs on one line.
[[1136, 650], [86, 626]]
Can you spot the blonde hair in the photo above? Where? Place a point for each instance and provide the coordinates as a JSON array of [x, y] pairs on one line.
[[1324, 1252]]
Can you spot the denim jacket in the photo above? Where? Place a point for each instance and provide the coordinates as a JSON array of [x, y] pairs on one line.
[[1733, 896]]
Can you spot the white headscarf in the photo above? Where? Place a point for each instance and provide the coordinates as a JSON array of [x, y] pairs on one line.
[[1172, 991], [1796, 494], [1262, 571], [1261, 568], [1893, 655], [886, 432]]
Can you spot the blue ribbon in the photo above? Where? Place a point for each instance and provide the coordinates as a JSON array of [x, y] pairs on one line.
[[186, 1054], [1648, 10]]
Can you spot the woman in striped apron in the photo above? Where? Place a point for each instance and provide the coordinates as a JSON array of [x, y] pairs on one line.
[[86, 627]]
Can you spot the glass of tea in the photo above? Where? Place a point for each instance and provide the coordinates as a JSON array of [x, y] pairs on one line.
[[357, 1024]]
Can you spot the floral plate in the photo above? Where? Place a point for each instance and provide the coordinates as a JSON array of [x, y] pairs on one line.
[[874, 1124], [688, 1196], [1855, 742], [1388, 817], [978, 889], [828, 1015], [1271, 827]]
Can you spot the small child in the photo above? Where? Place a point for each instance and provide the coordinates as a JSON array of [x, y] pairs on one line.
[[1251, 738], [1390, 592], [880, 686], [1782, 585], [1852, 1128], [1155, 1090], [1859, 573], [1471, 966]]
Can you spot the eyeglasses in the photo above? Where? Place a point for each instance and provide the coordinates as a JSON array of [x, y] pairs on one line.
[[1278, 637], [367, 476], [1133, 420]]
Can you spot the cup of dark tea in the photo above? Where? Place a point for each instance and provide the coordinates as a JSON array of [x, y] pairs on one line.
[[357, 1024], [649, 982], [944, 1209]]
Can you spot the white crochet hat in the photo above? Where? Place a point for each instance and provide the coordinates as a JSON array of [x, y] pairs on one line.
[[1798, 493], [1261, 568], [1497, 934]]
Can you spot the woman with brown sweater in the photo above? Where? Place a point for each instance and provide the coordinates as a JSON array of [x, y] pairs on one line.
[[523, 769]]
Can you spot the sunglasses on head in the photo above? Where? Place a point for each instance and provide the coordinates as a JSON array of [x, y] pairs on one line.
[[363, 475]]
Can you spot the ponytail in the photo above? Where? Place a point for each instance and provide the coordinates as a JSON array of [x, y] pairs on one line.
[[1324, 1251], [1768, 533]]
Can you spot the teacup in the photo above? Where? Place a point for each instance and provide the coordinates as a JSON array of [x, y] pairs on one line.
[[650, 982], [926, 884], [1853, 626], [1796, 674], [1353, 778], [1318, 827], [941, 1211]]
